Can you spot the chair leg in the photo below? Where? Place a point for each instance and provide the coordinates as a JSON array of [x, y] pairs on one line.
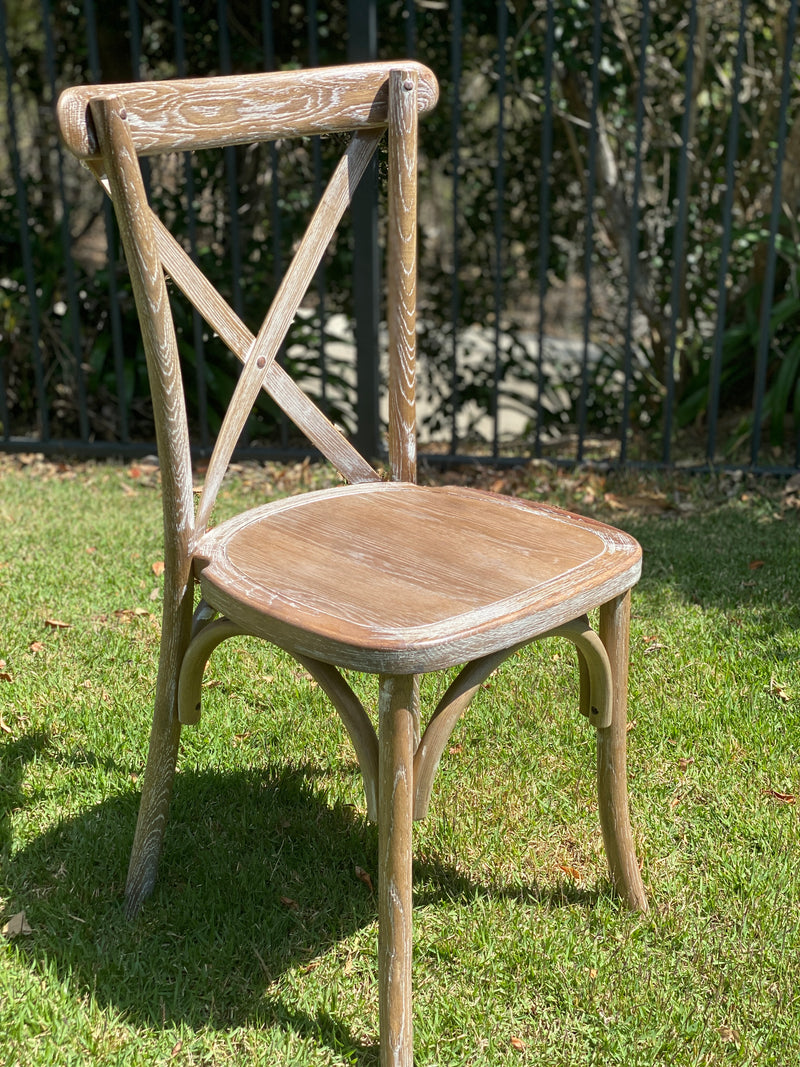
[[162, 757], [612, 775], [395, 813]]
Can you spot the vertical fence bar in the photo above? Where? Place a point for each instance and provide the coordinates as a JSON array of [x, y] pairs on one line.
[[115, 311], [410, 20], [715, 374], [362, 46], [23, 209], [135, 26], [319, 278], [198, 340], [138, 70], [767, 292], [588, 253], [268, 51], [499, 219], [679, 239], [627, 359], [455, 283], [544, 214], [231, 177], [270, 63], [73, 309]]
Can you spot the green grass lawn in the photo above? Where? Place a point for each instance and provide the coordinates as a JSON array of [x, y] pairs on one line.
[[259, 945]]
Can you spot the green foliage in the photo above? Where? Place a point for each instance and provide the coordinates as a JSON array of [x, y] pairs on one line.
[[741, 343], [500, 236]]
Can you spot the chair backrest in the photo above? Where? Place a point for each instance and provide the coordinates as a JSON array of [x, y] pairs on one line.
[[109, 127]]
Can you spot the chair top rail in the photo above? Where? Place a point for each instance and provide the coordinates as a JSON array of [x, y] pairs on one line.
[[196, 113]]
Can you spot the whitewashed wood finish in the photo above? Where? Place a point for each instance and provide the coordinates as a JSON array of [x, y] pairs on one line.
[[401, 272], [293, 287], [397, 578], [612, 771], [277, 383], [596, 701], [200, 647], [356, 721], [194, 113], [389, 578], [395, 820], [163, 369], [273, 378]]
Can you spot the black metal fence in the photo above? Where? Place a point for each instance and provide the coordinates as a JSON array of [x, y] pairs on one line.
[[610, 257]]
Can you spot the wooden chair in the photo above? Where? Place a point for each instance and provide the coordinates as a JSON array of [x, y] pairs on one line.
[[385, 577]]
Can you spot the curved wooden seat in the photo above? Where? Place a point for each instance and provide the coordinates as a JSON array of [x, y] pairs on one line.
[[397, 578], [385, 577]]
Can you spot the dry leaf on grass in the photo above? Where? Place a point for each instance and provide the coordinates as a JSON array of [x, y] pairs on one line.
[[17, 926], [727, 1033], [364, 877], [573, 872], [642, 503], [289, 903], [57, 624], [36, 646], [518, 1044], [777, 690], [783, 798], [158, 568]]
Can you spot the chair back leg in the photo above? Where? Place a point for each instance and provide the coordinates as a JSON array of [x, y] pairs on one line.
[[163, 753], [612, 773]]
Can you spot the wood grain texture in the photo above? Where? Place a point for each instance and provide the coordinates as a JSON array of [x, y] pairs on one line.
[[284, 391], [390, 576], [355, 720], [395, 805], [194, 113], [178, 506], [279, 318], [401, 273], [612, 773], [190, 675]]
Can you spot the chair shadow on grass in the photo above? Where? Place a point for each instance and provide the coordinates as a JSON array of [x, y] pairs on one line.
[[258, 876]]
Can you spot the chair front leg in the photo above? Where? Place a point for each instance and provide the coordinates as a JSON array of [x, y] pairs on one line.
[[396, 729], [612, 774]]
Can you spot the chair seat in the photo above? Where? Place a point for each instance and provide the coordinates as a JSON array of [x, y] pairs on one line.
[[402, 578]]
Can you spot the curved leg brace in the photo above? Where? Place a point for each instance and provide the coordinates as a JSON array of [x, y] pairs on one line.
[[190, 680], [356, 722], [443, 721], [596, 693], [595, 671], [209, 632]]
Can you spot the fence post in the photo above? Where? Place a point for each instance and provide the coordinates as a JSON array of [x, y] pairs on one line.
[[362, 46]]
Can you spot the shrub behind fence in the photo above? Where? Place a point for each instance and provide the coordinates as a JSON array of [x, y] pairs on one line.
[[609, 249]]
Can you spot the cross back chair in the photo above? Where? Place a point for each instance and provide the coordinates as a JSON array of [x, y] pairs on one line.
[[382, 576]]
